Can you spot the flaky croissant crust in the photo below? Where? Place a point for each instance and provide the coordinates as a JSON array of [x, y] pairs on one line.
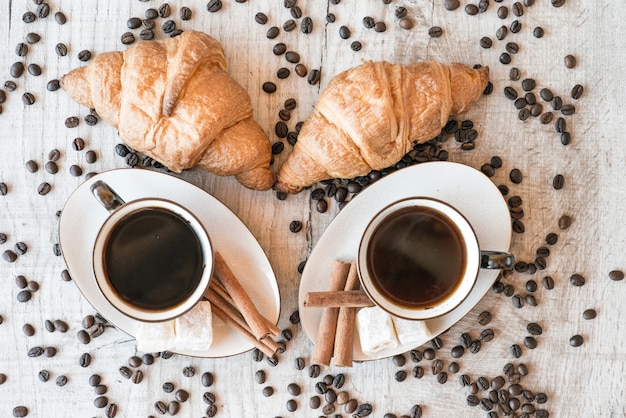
[[173, 100], [369, 116]]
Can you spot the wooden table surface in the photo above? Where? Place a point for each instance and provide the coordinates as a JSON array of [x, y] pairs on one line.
[[578, 381]]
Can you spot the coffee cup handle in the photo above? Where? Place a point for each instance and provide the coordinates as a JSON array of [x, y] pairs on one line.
[[496, 260], [106, 196]]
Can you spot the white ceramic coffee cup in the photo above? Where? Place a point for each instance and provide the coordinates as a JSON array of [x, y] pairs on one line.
[[121, 210], [475, 259]]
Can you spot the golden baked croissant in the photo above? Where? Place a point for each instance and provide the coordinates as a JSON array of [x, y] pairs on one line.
[[173, 100], [369, 116]]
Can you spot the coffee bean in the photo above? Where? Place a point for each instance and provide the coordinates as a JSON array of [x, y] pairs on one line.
[[451, 4], [471, 9], [560, 125], [518, 301], [516, 351], [84, 55], [576, 341], [475, 346], [577, 280], [417, 372], [503, 12], [160, 407], [133, 23], [173, 407], [272, 32], [306, 26], [10, 85], [289, 25], [457, 351], [24, 295], [269, 87], [516, 176], [330, 18], [589, 314], [314, 77], [214, 6], [127, 38], [505, 58], [75, 170], [83, 337], [577, 91], [380, 27], [146, 35], [356, 46], [283, 73], [20, 411], [72, 122], [486, 335], [125, 372], [538, 32], [100, 402], [301, 70], [435, 32], [363, 410], [530, 343], [267, 391], [516, 26], [60, 18], [558, 182], [566, 138], [189, 371], [564, 222], [570, 61], [485, 42], [169, 27], [548, 283], [293, 389], [512, 48], [501, 32], [568, 109]]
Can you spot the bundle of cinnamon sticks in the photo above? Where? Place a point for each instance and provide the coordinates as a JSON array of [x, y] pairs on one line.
[[231, 303], [335, 336]]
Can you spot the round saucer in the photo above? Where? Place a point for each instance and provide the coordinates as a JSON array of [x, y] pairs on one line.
[[468, 190], [83, 216]]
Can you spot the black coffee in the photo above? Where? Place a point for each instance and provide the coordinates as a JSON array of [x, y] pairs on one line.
[[153, 259], [416, 257]]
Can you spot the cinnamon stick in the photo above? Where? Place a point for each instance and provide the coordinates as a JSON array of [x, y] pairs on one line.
[[338, 299], [328, 322], [260, 344], [256, 322], [344, 336], [218, 288]]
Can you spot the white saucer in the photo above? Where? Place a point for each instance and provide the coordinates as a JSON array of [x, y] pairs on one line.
[[83, 216], [465, 188]]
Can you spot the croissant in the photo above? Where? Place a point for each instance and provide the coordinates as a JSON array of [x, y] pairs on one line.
[[369, 116], [173, 100]]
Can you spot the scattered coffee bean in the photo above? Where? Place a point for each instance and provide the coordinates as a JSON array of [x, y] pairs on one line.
[[564, 222], [20, 411], [189, 371], [576, 341], [589, 314], [28, 99], [516, 176], [485, 42], [127, 38], [269, 87], [83, 337], [61, 49], [160, 407], [577, 280], [516, 351], [558, 182], [60, 18], [570, 61], [380, 27], [84, 55], [435, 32], [314, 77]]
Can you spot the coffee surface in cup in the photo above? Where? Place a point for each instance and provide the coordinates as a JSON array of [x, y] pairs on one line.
[[416, 257], [153, 259]]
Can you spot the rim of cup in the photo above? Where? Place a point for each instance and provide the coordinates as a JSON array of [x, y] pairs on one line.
[[119, 303], [466, 283]]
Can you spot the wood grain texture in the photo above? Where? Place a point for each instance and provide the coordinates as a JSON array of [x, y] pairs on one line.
[[589, 378]]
